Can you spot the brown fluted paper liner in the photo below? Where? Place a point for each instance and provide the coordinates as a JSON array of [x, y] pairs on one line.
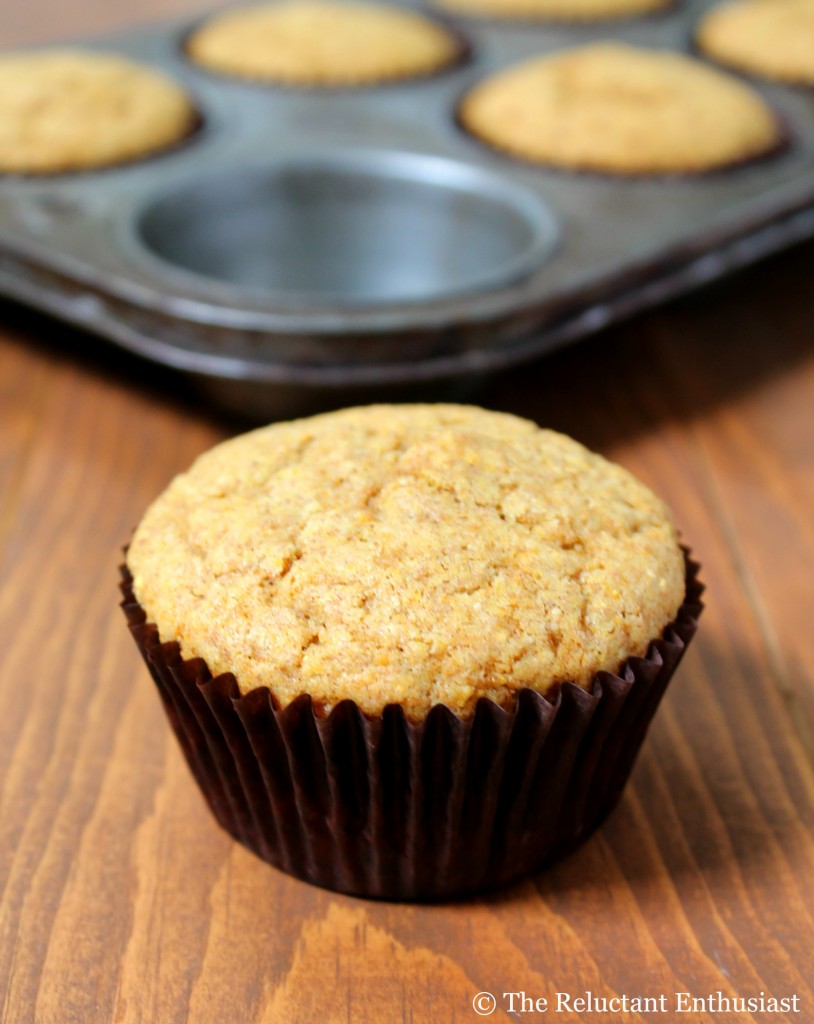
[[385, 807]]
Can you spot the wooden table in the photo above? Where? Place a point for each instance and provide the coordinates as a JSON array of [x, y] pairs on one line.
[[122, 901]]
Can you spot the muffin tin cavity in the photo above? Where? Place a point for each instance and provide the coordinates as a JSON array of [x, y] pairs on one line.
[[372, 228], [320, 246]]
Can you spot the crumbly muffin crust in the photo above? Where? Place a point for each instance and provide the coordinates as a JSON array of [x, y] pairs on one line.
[[557, 10], [322, 43], [614, 108], [772, 38], [407, 554], [64, 110]]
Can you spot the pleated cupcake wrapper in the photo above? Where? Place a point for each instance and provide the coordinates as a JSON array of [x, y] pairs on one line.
[[385, 807]]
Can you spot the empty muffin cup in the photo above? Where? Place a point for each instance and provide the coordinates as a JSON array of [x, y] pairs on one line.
[[350, 231]]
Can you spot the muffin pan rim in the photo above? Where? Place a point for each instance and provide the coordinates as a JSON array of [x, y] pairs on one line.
[[494, 328]]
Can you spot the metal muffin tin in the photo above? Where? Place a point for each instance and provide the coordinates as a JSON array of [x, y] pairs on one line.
[[311, 247]]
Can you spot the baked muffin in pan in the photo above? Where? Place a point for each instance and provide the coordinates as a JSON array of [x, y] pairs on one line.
[[70, 110], [769, 38], [409, 651], [618, 109], [323, 43]]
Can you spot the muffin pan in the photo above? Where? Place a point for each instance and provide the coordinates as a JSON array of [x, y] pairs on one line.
[[315, 247]]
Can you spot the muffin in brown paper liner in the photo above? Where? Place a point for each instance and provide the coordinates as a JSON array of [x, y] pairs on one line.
[[382, 806], [73, 110]]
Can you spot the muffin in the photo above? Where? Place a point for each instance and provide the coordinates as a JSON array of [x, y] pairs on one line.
[[323, 43], [409, 651], [557, 10], [772, 38], [68, 110], [613, 108]]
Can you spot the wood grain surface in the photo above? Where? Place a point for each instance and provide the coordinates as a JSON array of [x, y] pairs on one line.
[[121, 901]]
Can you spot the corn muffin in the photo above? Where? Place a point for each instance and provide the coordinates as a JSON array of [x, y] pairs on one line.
[[323, 43], [409, 652], [557, 10], [414, 555], [772, 38], [67, 110], [614, 108]]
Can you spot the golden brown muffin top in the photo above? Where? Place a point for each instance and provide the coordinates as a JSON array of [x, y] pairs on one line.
[[557, 10], [773, 38], [64, 110], [615, 108], [322, 43], [415, 554]]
